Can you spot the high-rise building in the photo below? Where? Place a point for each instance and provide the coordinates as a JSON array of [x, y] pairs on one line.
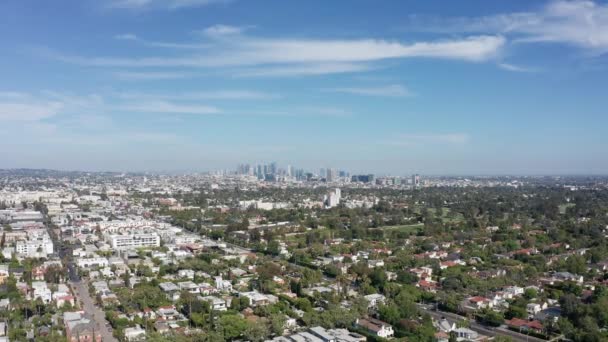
[[289, 171], [300, 175], [273, 168], [416, 181], [331, 176], [363, 178], [322, 173], [333, 198]]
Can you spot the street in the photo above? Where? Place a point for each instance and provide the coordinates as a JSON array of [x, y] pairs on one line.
[[482, 329], [88, 305]]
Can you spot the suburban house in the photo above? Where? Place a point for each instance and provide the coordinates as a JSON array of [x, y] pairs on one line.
[[376, 327]]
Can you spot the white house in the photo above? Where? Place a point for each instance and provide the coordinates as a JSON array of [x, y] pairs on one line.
[[217, 304], [376, 327], [135, 334], [375, 299], [42, 291]]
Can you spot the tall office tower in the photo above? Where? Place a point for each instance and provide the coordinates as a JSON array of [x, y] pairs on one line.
[[289, 171], [416, 181], [331, 175], [322, 173], [300, 174], [266, 170], [273, 168]]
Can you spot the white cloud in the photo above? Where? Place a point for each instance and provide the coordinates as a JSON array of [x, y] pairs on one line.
[[326, 111], [160, 44], [126, 36], [294, 57], [580, 23], [222, 30], [161, 4], [149, 75], [202, 95], [311, 69], [515, 68], [14, 111], [169, 107], [308, 111], [12, 95], [411, 140], [394, 90], [477, 48]]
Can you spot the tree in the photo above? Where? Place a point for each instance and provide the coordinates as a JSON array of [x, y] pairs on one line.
[[576, 264], [232, 326], [515, 311], [273, 247], [277, 323], [491, 317], [570, 305], [530, 293], [240, 303], [390, 313], [256, 331]]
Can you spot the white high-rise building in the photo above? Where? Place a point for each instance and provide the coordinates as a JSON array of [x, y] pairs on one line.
[[333, 198], [416, 181], [289, 171], [332, 174]]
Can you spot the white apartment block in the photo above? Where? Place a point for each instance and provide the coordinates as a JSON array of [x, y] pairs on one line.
[[34, 248], [92, 262], [133, 241]]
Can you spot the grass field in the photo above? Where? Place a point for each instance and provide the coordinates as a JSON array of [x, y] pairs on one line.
[[564, 207], [408, 228]]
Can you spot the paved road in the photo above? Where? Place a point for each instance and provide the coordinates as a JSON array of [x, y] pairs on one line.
[[482, 329], [82, 293]]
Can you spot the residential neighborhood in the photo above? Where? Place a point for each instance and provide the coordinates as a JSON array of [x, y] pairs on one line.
[[151, 257]]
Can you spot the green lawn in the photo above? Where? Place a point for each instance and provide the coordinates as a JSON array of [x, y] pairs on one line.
[[408, 228], [564, 207]]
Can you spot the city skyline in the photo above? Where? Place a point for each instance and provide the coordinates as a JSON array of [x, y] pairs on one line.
[[392, 88]]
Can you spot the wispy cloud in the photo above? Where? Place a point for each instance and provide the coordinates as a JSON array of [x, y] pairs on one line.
[[202, 95], [417, 139], [581, 23], [223, 30], [161, 4], [19, 106], [307, 111], [516, 68], [159, 44], [277, 57], [302, 70], [169, 107], [393, 90], [12, 95], [16, 111], [126, 36], [150, 75]]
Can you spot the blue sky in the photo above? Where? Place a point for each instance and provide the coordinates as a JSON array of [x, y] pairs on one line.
[[391, 87]]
